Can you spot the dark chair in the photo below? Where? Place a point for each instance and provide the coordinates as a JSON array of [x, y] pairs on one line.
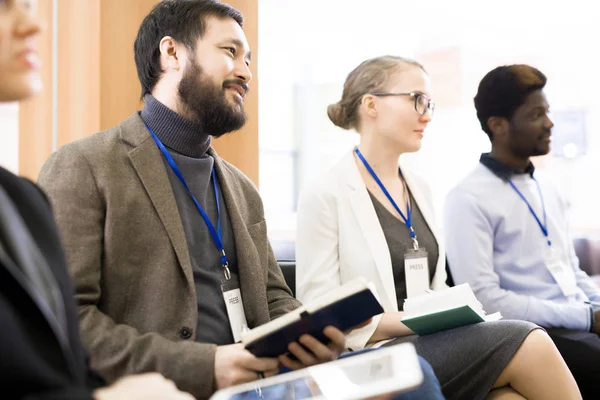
[[285, 253], [289, 273], [588, 252], [449, 278]]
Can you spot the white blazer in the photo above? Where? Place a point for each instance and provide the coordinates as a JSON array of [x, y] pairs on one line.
[[339, 238]]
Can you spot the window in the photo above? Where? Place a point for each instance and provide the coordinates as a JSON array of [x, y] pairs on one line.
[[308, 47], [9, 150]]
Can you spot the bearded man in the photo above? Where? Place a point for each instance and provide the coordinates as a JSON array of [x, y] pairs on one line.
[[167, 242]]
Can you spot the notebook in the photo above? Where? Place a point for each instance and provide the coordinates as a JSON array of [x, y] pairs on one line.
[[344, 307], [445, 309]]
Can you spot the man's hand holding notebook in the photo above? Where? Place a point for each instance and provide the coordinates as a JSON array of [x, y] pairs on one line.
[[349, 306]]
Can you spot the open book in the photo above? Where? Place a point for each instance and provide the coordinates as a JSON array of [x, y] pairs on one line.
[[345, 307], [444, 309]]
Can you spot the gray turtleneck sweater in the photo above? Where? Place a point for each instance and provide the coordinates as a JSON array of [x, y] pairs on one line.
[[188, 145]]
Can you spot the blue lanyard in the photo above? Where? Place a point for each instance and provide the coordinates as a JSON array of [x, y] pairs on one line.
[[544, 226], [408, 218], [217, 234]]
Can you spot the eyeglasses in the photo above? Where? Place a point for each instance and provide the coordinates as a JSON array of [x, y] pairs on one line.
[[422, 102]]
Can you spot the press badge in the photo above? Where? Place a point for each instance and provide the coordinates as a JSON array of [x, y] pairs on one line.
[[416, 270], [561, 272], [235, 308]]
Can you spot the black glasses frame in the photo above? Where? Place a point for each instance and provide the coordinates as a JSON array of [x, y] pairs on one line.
[[416, 96]]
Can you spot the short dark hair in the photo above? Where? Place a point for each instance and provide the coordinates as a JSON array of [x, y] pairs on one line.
[[184, 21], [503, 90]]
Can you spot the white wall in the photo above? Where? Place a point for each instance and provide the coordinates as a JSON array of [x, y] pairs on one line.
[[9, 136], [308, 47]]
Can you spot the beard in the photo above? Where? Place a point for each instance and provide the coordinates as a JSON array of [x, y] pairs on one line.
[[524, 144], [526, 150], [206, 105]]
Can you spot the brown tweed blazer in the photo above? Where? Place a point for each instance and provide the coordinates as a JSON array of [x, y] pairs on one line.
[[129, 259]]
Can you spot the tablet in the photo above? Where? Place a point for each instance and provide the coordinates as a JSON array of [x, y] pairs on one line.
[[390, 370]]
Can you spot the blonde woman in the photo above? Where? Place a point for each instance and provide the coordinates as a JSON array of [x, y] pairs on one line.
[[368, 217]]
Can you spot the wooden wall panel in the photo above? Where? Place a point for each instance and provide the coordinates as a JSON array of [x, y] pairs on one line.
[[35, 114], [120, 88], [97, 81], [78, 69], [241, 147]]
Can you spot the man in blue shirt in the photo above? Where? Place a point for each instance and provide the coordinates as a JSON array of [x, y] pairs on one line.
[[506, 227]]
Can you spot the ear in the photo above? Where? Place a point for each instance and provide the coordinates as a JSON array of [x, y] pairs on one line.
[[369, 105], [170, 54], [498, 126]]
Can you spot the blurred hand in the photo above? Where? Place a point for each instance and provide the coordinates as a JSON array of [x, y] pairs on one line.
[[234, 365], [317, 352], [151, 386]]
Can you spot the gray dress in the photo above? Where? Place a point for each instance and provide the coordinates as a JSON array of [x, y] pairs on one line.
[[466, 360]]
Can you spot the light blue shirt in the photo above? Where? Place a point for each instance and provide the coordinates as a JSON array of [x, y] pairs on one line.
[[495, 244]]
